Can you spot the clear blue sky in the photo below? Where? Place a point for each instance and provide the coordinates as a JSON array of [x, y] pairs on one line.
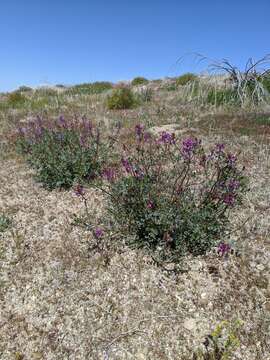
[[68, 41]]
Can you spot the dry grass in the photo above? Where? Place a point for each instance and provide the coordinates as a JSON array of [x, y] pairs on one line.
[[59, 300]]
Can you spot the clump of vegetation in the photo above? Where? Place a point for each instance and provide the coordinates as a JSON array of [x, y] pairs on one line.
[[139, 80], [251, 84], [219, 97], [24, 88], [97, 87], [16, 99], [185, 79], [121, 98], [63, 152], [222, 343], [5, 223], [46, 92], [173, 197]]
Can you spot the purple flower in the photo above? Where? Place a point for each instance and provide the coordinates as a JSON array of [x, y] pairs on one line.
[[231, 158], [223, 248], [82, 141], [229, 199], [98, 232], [126, 164], [147, 136], [22, 131], [62, 121], [139, 129], [167, 138], [233, 185], [79, 190], [189, 145], [109, 174], [220, 147], [150, 204]]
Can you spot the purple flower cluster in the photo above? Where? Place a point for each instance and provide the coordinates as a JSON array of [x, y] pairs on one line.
[[150, 205], [139, 128], [223, 249], [167, 138], [220, 148], [98, 232], [229, 199], [127, 166], [231, 159], [233, 185], [189, 145], [62, 122], [109, 174]]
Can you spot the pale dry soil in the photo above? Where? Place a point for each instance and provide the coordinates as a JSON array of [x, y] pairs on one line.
[[59, 300]]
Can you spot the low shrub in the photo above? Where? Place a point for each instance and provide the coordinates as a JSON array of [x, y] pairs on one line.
[[185, 79], [62, 152], [5, 223], [24, 88], [139, 80], [222, 343], [97, 87], [16, 99], [121, 98], [172, 196]]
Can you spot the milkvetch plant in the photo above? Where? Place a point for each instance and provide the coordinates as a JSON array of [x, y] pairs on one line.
[[62, 151], [172, 196]]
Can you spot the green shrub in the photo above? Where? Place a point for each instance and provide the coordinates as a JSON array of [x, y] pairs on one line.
[[221, 97], [62, 152], [185, 79], [16, 99], [262, 119], [222, 343], [170, 87], [5, 223], [121, 98], [172, 197], [97, 87], [24, 89], [139, 81]]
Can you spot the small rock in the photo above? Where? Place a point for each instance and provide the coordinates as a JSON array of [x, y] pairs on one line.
[[190, 324], [260, 267], [36, 356]]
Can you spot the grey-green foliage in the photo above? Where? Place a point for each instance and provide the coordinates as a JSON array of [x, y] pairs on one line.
[[62, 153], [5, 222]]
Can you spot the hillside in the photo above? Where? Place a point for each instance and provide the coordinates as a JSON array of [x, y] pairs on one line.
[[67, 292]]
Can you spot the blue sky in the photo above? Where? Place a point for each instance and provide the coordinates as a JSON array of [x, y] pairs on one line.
[[68, 41]]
